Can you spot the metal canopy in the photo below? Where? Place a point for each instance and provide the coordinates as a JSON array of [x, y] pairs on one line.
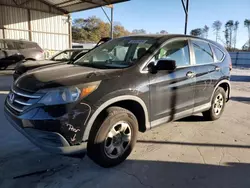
[[69, 6]]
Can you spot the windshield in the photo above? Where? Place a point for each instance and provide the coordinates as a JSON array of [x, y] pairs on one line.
[[118, 53], [66, 55]]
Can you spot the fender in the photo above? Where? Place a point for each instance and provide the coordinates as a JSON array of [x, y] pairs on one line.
[[217, 85], [110, 102]]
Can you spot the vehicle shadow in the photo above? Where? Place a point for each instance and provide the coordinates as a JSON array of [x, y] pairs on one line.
[[188, 175], [57, 171], [241, 99], [192, 118]]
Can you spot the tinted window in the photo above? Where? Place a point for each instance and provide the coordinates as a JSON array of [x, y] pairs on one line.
[[65, 55], [120, 52], [202, 52], [27, 45], [2, 45], [140, 50], [117, 53], [10, 45], [176, 50], [218, 53]]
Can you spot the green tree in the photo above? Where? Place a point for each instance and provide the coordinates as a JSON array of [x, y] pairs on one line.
[[196, 32], [229, 33], [247, 25], [120, 31], [217, 27], [93, 29], [139, 31], [163, 32], [205, 31], [236, 27]]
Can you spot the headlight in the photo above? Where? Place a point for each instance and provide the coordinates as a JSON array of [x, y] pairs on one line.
[[64, 95]]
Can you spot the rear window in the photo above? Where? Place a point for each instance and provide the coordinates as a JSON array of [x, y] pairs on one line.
[[28, 45], [218, 53], [203, 53]]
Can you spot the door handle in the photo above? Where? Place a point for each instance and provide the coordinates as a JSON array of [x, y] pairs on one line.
[[190, 74], [217, 68]]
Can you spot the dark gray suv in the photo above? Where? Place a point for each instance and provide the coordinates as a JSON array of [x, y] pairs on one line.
[[13, 51], [125, 86]]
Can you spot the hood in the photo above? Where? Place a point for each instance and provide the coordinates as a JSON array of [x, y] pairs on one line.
[[62, 75], [29, 65]]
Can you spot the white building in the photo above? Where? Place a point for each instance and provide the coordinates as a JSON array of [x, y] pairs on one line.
[[46, 22]]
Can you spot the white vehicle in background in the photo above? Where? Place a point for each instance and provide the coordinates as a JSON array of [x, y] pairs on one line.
[[86, 46]]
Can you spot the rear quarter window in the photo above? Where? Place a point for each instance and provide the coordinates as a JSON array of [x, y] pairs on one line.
[[203, 53], [218, 53]]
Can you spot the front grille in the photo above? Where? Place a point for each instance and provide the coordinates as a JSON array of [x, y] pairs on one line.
[[19, 100]]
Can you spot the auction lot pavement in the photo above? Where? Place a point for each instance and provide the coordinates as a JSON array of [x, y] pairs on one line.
[[188, 153]]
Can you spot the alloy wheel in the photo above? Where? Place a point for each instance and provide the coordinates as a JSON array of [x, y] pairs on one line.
[[117, 140]]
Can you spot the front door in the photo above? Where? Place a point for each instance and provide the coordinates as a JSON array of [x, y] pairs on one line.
[[172, 93]]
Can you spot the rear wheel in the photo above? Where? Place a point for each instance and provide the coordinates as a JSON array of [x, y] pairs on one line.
[[113, 137], [217, 106]]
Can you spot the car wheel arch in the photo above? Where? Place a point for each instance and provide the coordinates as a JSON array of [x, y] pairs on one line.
[[225, 84], [113, 102]]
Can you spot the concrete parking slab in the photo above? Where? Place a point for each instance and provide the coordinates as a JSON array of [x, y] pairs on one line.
[[187, 153]]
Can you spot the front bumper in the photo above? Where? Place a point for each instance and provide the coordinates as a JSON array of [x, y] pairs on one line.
[[49, 140]]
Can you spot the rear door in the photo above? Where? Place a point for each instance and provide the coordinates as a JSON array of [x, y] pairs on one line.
[[207, 71], [172, 93]]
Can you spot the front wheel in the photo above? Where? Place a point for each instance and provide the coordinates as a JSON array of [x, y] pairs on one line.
[[113, 137], [217, 106]]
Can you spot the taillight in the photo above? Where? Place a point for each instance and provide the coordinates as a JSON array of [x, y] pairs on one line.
[[230, 65]]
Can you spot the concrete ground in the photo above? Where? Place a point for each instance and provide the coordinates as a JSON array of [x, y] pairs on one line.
[[188, 153]]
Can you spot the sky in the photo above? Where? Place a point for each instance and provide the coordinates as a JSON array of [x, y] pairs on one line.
[[157, 15]]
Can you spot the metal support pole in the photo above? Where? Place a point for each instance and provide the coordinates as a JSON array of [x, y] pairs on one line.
[[186, 20], [112, 23], [111, 19], [186, 14], [29, 25], [70, 30]]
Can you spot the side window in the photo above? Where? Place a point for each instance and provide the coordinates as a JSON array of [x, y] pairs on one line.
[[176, 50], [218, 53], [120, 52], [141, 49], [202, 52], [2, 45], [10, 45], [63, 56]]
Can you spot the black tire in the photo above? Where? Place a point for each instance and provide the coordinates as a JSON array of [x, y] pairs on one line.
[[99, 135], [210, 114]]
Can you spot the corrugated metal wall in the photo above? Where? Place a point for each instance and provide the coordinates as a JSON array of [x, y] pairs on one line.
[[240, 58], [1, 33], [13, 19], [32, 5], [49, 30]]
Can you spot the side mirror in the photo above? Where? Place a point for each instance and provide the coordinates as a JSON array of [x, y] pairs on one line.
[[169, 65]]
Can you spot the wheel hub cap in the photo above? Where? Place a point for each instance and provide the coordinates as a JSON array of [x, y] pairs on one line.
[[218, 104], [117, 140]]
